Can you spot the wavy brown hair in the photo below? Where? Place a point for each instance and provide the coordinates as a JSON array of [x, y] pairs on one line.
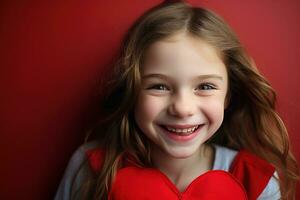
[[250, 120]]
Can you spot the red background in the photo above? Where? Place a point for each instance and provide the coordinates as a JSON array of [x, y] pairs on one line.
[[52, 53]]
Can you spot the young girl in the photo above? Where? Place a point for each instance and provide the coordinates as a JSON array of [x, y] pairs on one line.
[[186, 116]]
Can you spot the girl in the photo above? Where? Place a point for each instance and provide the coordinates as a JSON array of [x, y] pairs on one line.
[[187, 116]]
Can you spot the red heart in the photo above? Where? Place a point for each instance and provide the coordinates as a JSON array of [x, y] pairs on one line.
[[134, 183]]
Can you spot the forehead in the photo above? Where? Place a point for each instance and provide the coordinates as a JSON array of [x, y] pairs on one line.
[[172, 45], [183, 51]]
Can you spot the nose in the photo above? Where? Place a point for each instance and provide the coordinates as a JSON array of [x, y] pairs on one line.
[[182, 105]]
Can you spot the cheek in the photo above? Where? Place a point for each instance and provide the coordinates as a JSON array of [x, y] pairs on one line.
[[214, 110], [148, 108]]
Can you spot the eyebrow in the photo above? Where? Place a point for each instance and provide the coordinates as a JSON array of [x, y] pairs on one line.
[[204, 76]]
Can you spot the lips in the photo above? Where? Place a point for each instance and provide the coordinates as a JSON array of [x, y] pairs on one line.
[[181, 133], [181, 129]]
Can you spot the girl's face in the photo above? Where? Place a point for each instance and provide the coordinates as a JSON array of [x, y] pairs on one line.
[[182, 99]]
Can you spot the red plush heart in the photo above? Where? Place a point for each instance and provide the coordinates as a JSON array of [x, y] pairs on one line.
[[134, 183]]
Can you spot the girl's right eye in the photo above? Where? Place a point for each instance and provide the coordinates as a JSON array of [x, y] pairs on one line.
[[158, 87]]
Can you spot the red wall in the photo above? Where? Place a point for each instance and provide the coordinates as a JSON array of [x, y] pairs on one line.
[[52, 53]]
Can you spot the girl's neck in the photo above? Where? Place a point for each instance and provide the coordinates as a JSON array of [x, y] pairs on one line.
[[183, 171]]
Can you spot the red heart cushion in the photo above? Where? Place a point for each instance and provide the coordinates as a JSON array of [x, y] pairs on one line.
[[137, 183], [144, 183]]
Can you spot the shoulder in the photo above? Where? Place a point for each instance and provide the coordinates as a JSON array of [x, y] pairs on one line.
[[229, 159], [95, 157], [76, 171], [246, 167], [249, 167], [223, 157], [272, 190]]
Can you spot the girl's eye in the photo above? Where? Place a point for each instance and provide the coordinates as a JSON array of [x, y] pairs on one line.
[[158, 87], [206, 86]]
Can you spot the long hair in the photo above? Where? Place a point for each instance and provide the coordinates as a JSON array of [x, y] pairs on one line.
[[251, 98]]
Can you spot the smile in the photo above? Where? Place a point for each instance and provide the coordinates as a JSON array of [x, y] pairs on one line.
[[181, 133]]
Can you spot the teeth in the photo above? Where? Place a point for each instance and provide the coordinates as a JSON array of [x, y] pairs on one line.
[[184, 130]]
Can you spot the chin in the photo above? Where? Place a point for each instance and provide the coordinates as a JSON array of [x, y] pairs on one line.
[[183, 152]]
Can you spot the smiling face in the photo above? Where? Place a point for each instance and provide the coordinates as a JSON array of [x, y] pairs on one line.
[[182, 98]]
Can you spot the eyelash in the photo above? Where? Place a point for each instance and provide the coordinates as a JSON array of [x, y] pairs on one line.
[[211, 86], [208, 86], [158, 87]]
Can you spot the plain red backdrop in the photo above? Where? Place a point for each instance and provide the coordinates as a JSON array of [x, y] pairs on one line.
[[52, 54]]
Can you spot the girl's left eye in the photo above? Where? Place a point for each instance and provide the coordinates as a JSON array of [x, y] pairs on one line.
[[206, 86]]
